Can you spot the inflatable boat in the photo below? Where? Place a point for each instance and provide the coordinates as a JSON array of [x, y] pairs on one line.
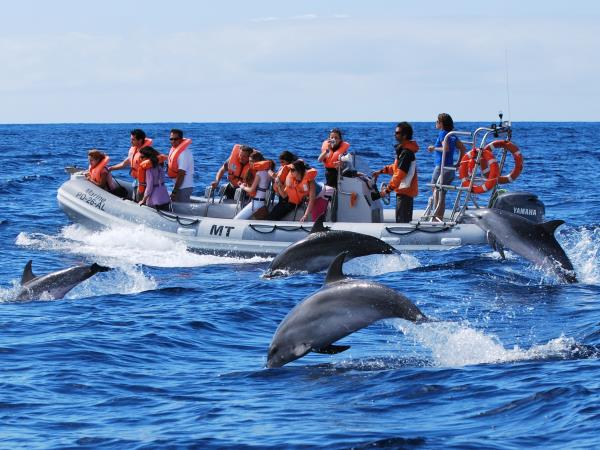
[[207, 223]]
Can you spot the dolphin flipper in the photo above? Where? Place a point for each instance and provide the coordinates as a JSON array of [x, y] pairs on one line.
[[27, 273], [496, 246], [331, 349]]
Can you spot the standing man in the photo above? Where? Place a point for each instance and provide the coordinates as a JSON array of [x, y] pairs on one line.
[[138, 141], [181, 167], [404, 173]]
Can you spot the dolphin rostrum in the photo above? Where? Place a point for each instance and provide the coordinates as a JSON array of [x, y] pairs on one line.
[[316, 251], [341, 307], [533, 241], [56, 284]]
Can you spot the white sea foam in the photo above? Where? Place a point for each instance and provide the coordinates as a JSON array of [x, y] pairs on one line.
[[583, 249], [373, 265], [456, 345], [139, 245]]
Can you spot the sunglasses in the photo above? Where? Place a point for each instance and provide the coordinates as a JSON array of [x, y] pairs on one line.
[[175, 139]]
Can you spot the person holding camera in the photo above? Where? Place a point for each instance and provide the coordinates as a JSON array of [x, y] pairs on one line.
[[404, 173], [331, 150]]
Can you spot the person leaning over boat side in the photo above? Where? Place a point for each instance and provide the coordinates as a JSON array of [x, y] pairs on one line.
[[138, 140], [299, 185], [331, 150], [98, 173], [155, 193], [256, 186], [236, 166], [403, 172], [445, 124], [181, 166]]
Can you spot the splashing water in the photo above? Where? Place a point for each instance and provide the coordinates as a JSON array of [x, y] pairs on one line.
[[583, 249], [140, 245], [457, 345], [373, 265]]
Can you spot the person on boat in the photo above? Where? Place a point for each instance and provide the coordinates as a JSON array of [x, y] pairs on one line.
[[98, 173], [404, 173], [180, 166], [443, 158], [299, 186], [138, 140], [155, 194], [331, 150], [285, 159], [256, 185], [236, 166]]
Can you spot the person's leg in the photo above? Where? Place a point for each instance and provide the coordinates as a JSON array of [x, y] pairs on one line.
[[331, 177], [183, 195], [229, 191], [280, 210], [404, 208], [441, 205]]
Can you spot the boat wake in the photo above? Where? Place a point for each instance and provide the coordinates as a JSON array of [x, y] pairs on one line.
[[456, 345], [582, 245], [124, 245]]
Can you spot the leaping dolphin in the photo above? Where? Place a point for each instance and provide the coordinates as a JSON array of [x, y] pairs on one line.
[[341, 307], [316, 251], [533, 241], [56, 284]]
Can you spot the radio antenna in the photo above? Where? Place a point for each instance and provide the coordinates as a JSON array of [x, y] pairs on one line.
[[507, 86]]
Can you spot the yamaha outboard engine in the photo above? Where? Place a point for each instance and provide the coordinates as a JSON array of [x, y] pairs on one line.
[[525, 204]]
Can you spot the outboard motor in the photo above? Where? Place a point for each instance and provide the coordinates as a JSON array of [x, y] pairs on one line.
[[524, 204]]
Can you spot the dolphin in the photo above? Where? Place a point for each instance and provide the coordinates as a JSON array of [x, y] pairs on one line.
[[341, 307], [316, 251], [56, 284], [533, 241]]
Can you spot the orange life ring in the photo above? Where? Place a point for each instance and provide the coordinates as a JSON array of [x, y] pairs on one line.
[[517, 156], [467, 165]]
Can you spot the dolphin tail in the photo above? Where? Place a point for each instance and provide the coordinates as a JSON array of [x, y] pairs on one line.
[[95, 268], [27, 273]]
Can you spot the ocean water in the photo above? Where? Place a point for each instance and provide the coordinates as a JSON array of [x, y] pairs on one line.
[[169, 348]]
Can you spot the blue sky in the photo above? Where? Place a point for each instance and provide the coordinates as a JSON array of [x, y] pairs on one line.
[[230, 61]]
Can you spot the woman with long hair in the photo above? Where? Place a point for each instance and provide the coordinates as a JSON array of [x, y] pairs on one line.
[[156, 194]]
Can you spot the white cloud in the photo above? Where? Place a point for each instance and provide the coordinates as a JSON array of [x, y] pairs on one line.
[[309, 69]]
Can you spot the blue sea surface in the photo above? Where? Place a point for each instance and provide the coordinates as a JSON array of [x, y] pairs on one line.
[[169, 348]]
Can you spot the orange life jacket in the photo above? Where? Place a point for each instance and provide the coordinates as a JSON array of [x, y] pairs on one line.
[[236, 171], [296, 190], [96, 172], [256, 167], [134, 156], [282, 174], [143, 167], [333, 156], [174, 153]]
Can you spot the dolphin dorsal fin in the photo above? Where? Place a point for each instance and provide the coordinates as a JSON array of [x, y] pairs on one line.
[[318, 225], [334, 273], [551, 226], [27, 273]]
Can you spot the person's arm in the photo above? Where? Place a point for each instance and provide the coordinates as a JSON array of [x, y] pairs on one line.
[[178, 182], [461, 151], [124, 163], [325, 149], [251, 188], [312, 193], [220, 174]]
